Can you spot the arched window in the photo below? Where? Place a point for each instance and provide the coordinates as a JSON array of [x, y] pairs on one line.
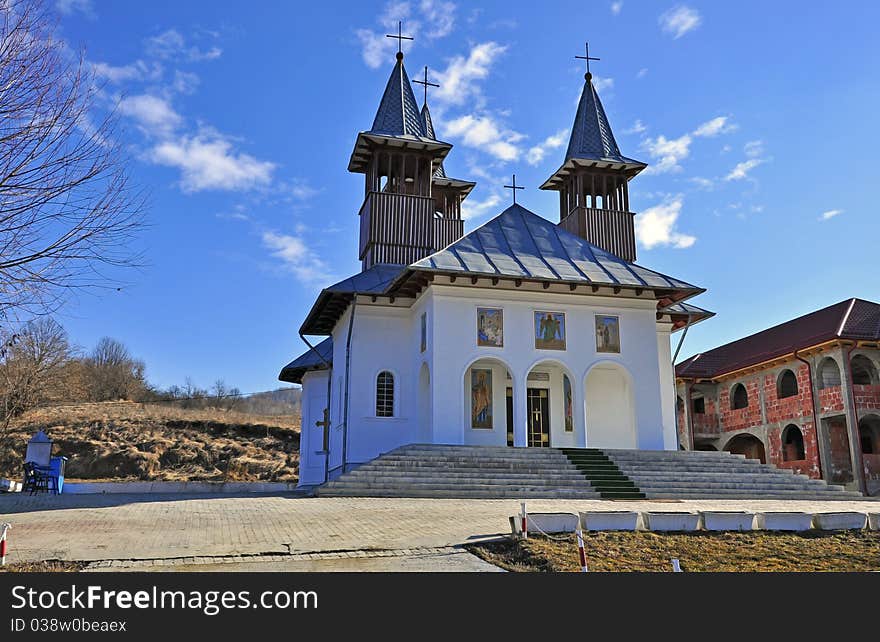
[[863, 371], [829, 373], [385, 394], [739, 398], [792, 444], [869, 435], [786, 385]]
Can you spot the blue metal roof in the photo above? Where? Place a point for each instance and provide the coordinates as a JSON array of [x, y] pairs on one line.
[[520, 244], [316, 359], [591, 135], [398, 113]]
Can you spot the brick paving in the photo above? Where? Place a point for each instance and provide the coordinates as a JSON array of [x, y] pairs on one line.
[[151, 527]]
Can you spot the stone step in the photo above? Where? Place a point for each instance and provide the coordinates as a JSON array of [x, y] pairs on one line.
[[456, 474], [691, 494], [469, 481], [517, 494]]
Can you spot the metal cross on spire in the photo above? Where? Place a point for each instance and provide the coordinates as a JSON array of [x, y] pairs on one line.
[[513, 187], [426, 84], [400, 38], [588, 58]]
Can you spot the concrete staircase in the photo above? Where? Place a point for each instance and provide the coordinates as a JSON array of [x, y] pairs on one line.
[[664, 474], [485, 472], [490, 472]]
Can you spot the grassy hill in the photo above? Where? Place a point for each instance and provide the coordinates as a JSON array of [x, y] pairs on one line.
[[162, 442]]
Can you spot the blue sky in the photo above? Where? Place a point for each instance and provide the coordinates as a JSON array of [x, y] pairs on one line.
[[758, 120]]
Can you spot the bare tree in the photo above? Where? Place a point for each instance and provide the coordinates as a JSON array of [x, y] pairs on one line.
[[29, 360], [67, 208], [113, 373]]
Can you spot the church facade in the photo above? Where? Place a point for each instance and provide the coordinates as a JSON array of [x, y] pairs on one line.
[[524, 332]]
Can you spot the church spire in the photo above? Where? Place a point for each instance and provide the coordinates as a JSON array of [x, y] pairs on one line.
[[593, 179]]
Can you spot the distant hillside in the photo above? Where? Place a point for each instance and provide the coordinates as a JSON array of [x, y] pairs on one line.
[[284, 401], [159, 442]]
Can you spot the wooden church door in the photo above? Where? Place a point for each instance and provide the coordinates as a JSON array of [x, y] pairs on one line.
[[539, 418]]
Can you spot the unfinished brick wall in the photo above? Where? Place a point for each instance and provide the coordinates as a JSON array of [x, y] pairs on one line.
[[809, 465], [796, 407], [867, 397], [831, 399], [748, 417]]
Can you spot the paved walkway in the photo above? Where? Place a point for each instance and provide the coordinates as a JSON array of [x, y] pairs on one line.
[[142, 527]]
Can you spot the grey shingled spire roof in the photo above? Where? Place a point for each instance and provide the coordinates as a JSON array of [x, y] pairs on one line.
[[591, 135], [398, 113], [428, 127]]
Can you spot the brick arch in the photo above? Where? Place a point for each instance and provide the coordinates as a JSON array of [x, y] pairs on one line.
[[739, 397], [793, 443], [828, 373], [748, 445], [864, 370], [786, 384]]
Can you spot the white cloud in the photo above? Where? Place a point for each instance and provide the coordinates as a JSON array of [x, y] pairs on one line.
[[536, 153], [741, 171], [459, 82], [171, 44], [69, 7], [185, 82], [616, 7], [680, 20], [714, 127], [436, 16], [830, 214], [667, 152], [486, 134], [296, 257], [642, 72], [702, 183], [754, 148], [138, 70], [638, 127], [601, 84], [473, 209], [208, 161], [154, 114], [656, 226]]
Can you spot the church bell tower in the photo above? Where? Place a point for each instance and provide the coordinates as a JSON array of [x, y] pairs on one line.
[[593, 181], [411, 208]]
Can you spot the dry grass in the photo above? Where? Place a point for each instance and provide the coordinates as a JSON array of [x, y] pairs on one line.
[[52, 566], [758, 551], [151, 442]]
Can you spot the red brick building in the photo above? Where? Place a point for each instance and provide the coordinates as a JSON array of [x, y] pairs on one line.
[[803, 395]]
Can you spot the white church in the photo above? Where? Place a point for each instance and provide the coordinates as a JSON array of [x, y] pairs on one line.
[[525, 332]]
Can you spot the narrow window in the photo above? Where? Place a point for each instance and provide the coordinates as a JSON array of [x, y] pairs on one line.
[[739, 398], [786, 385], [385, 394], [700, 406], [792, 444], [863, 371], [829, 373]]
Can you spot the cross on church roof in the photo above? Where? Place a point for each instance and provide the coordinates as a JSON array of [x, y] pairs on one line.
[[426, 84], [588, 58], [513, 188], [400, 38]]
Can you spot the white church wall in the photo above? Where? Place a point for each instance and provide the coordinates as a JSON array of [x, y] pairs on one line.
[[454, 328], [314, 400], [667, 387]]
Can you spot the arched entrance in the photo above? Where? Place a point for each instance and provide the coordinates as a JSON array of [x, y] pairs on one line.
[[488, 403], [610, 408], [869, 436], [424, 432], [550, 406], [748, 445]]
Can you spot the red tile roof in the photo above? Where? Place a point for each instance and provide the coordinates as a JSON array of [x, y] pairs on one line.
[[851, 319]]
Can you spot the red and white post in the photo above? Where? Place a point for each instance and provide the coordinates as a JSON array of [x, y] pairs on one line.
[[582, 553], [524, 521], [3, 545]]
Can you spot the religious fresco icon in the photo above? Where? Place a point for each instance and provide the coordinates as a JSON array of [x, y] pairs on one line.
[[569, 410], [550, 330], [607, 334], [481, 398], [490, 327]]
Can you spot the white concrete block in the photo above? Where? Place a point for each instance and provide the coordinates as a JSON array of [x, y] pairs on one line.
[[787, 521], [723, 520], [841, 521], [672, 521], [613, 520], [874, 521], [552, 522]]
